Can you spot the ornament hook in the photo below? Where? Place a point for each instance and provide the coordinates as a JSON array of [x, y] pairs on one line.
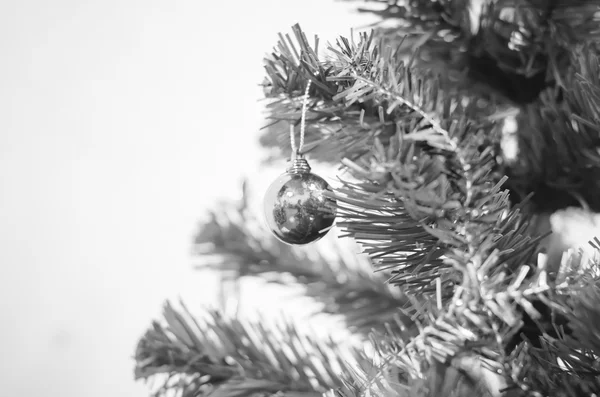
[[297, 151]]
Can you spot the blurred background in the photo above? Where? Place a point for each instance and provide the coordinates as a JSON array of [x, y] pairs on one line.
[[121, 124]]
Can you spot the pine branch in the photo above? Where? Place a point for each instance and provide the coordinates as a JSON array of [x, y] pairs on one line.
[[391, 237], [485, 278], [219, 356], [370, 77], [484, 315], [556, 24], [431, 177], [420, 15], [227, 357], [333, 129], [559, 140], [434, 190], [422, 162], [234, 241], [514, 49], [343, 126], [566, 358]]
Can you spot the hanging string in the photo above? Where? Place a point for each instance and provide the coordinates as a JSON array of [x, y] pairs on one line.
[[297, 151]]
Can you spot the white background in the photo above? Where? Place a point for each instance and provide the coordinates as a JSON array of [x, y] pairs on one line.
[[121, 123]]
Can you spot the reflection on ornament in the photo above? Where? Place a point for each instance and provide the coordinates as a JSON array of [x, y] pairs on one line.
[[296, 208]]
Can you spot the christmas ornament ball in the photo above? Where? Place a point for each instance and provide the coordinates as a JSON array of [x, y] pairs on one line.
[[296, 208]]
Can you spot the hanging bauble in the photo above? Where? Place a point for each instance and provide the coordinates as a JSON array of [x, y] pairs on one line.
[[297, 208]]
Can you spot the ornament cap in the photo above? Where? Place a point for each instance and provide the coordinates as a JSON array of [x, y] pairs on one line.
[[299, 166]]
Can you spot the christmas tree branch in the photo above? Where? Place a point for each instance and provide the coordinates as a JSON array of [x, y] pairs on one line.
[[569, 356], [391, 237], [431, 178], [219, 356], [361, 79], [471, 236], [456, 205], [234, 241], [494, 50], [559, 138], [424, 151], [227, 357], [350, 121]]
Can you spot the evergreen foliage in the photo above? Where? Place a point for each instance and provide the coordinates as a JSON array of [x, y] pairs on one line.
[[418, 112], [235, 243]]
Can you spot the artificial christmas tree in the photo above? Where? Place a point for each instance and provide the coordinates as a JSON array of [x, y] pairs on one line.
[[469, 133]]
